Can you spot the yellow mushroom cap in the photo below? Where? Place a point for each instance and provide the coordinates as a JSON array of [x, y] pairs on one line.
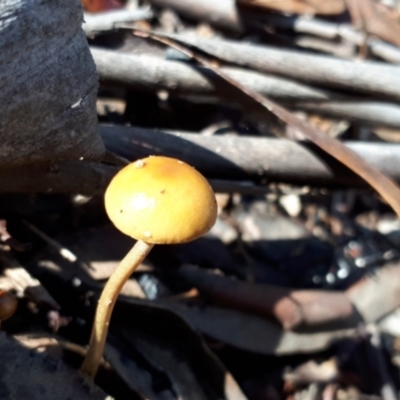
[[161, 200]]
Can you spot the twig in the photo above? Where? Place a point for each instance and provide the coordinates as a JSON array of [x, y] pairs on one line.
[[330, 30], [367, 113], [381, 183], [62, 250], [153, 74], [38, 341], [325, 46], [82, 351], [373, 78], [222, 13], [226, 14], [292, 308], [25, 283], [106, 21]]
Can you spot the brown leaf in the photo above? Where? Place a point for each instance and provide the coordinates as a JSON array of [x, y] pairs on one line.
[[255, 334], [311, 371], [101, 5], [374, 20], [331, 7], [167, 343]]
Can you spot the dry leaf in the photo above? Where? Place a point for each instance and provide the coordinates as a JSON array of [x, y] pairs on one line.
[[187, 364], [101, 5], [331, 7], [366, 15]]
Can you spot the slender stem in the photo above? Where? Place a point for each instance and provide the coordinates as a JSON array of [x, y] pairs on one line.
[[107, 302]]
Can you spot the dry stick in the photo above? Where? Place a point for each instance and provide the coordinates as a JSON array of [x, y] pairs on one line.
[[331, 31], [151, 74], [225, 14], [373, 78], [25, 282], [222, 13], [334, 48], [291, 307], [381, 183], [82, 351], [63, 251], [106, 21], [241, 157], [225, 160]]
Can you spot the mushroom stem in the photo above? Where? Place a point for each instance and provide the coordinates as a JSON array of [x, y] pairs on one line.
[[107, 302]]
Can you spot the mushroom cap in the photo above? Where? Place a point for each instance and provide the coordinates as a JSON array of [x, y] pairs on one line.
[[8, 305], [161, 200]]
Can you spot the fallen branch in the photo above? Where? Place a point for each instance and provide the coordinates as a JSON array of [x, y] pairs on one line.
[[292, 308], [244, 157], [223, 159], [365, 300]]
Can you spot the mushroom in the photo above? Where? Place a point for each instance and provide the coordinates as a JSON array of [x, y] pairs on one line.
[[155, 200], [8, 305]]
